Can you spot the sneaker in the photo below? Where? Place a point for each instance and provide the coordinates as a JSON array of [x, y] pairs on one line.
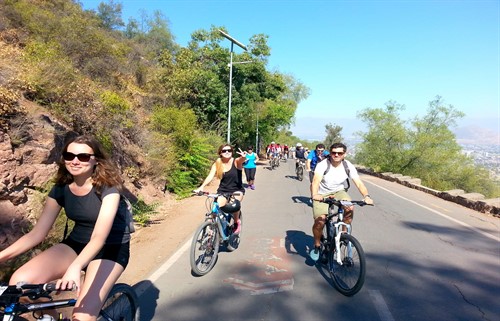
[[252, 187], [314, 254], [238, 227]]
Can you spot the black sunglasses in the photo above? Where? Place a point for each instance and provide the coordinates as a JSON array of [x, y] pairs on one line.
[[82, 157], [226, 151], [337, 153]]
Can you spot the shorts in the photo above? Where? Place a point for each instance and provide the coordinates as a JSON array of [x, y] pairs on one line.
[[119, 253], [320, 208]]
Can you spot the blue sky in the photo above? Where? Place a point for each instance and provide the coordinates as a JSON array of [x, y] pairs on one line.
[[359, 54]]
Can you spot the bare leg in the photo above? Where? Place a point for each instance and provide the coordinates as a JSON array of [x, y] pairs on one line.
[[47, 266], [317, 230], [100, 277]]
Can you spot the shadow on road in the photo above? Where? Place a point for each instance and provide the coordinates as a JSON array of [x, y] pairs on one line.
[[148, 295], [302, 199]]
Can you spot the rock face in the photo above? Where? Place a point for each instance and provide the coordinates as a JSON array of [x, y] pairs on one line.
[[27, 164]]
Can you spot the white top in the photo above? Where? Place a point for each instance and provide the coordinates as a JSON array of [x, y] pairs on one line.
[[333, 181]]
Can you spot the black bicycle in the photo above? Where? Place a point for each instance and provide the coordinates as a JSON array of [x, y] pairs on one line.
[[122, 303], [341, 252], [299, 170], [217, 229]]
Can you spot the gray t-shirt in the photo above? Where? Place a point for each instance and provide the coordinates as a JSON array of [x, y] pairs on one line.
[[84, 210]]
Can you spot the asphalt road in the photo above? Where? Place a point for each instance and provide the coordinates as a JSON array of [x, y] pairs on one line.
[[427, 259]]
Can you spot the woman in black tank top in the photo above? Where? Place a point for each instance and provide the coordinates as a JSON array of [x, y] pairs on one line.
[[229, 171]]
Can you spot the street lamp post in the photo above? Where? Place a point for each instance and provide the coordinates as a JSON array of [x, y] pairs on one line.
[[233, 41]]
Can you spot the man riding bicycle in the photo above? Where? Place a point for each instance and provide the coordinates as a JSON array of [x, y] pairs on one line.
[[272, 150], [329, 177], [299, 155]]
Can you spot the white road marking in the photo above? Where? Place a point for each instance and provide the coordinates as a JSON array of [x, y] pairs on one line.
[[381, 306], [439, 213], [164, 267]]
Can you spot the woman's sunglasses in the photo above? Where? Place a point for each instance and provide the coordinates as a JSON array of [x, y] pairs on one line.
[[226, 151], [82, 157]]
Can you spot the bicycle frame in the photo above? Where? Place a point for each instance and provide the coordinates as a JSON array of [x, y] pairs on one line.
[[338, 227], [221, 218]]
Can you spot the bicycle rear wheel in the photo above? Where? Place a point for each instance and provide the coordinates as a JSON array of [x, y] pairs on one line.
[[204, 248], [122, 304], [300, 173], [350, 276]]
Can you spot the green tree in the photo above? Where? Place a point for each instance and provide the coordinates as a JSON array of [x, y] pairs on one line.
[[383, 146], [427, 149], [110, 14], [333, 135]]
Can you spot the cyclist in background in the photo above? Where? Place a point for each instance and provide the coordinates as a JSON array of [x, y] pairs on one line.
[[88, 187], [329, 181], [285, 151], [314, 158], [299, 154], [229, 171], [271, 150]]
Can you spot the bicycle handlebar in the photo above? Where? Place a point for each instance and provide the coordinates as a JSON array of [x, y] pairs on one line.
[[331, 200], [32, 291]]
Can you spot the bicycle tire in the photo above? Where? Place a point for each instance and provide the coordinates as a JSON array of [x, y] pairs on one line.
[[234, 239], [205, 240], [349, 277], [300, 173], [122, 304]]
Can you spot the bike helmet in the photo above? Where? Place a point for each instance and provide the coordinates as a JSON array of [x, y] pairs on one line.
[[272, 143], [299, 145], [232, 207]]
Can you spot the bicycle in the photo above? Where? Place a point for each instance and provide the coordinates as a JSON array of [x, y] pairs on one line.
[[217, 229], [299, 170], [120, 305], [342, 252]]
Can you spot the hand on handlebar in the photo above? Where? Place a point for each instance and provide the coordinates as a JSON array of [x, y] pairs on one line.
[[368, 200]]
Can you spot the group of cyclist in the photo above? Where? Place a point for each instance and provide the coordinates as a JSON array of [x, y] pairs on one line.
[[88, 187]]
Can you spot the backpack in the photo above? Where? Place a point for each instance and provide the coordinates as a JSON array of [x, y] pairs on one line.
[[347, 185], [124, 205]]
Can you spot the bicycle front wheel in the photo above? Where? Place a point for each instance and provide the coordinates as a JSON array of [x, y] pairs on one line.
[[349, 276], [122, 304], [204, 248]]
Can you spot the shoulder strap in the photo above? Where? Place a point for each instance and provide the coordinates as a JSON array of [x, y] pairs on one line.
[[348, 172]]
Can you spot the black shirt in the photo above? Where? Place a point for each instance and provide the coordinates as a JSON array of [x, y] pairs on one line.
[[84, 210]]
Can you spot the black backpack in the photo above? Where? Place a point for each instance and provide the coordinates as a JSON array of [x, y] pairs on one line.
[[347, 185]]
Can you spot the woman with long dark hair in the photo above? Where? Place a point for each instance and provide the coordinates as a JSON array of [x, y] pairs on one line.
[[88, 187]]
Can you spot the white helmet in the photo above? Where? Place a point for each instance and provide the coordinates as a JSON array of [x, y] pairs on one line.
[[299, 145], [272, 143]]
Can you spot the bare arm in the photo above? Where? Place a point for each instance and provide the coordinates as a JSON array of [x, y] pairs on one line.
[[315, 187], [240, 160], [363, 190], [308, 165], [208, 179]]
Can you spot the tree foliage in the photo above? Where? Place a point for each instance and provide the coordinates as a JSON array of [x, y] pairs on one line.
[[333, 135], [425, 148]]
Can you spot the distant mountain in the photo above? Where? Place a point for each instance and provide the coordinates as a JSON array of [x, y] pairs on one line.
[[474, 134]]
